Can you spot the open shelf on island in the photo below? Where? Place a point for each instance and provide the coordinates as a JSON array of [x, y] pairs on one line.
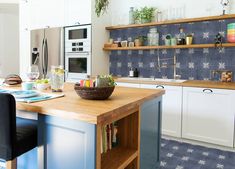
[[118, 157], [169, 47], [177, 21], [125, 153]]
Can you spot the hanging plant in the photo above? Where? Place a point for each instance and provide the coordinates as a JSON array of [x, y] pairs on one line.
[[101, 6]]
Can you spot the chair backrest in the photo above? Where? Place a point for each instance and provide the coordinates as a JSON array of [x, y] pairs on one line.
[[7, 125]]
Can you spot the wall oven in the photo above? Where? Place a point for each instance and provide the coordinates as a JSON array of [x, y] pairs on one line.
[[78, 52]]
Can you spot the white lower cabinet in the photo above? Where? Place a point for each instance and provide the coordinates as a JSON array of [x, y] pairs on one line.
[[208, 115], [171, 109]]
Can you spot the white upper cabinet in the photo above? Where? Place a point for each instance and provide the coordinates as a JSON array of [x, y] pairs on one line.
[[57, 13], [171, 108], [77, 12], [46, 13], [208, 115]]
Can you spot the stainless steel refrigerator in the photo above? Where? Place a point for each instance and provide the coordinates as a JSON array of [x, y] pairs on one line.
[[47, 49]]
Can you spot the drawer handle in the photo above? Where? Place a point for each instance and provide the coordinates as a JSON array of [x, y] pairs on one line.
[[207, 90], [160, 86]]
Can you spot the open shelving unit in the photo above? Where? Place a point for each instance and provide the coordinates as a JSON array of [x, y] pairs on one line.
[[169, 47], [177, 21], [126, 154]]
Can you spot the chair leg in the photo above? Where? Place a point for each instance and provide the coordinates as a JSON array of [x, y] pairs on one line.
[[12, 164]]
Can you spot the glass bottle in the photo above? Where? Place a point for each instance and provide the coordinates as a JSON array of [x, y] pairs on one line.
[[182, 37], [131, 16], [153, 37]]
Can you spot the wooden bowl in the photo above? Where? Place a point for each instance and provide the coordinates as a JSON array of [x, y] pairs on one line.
[[94, 93]]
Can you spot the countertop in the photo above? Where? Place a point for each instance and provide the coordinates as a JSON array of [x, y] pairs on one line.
[[71, 106], [187, 83]]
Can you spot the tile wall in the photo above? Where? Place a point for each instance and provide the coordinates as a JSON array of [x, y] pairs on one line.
[[191, 63]]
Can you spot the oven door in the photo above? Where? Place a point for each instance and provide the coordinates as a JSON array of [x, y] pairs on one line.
[[78, 66]]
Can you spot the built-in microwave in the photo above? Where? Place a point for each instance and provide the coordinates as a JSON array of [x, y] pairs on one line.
[[78, 39]]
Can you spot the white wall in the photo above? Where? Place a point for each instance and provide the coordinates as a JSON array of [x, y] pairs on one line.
[[9, 41], [100, 58], [193, 8]]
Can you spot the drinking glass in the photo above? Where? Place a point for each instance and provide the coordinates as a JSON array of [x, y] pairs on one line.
[[57, 78], [33, 72]]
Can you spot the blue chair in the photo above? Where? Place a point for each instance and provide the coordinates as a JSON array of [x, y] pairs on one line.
[[17, 135]]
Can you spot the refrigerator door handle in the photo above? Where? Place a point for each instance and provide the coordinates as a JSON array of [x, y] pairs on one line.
[[43, 57], [46, 58]]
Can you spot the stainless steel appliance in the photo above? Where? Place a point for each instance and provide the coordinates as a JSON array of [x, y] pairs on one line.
[[49, 43], [78, 52]]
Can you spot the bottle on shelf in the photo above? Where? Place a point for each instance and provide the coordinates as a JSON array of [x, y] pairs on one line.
[[136, 73], [153, 37], [131, 73], [182, 37], [131, 16]]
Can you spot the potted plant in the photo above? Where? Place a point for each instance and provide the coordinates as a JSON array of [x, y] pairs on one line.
[[147, 14], [137, 16], [139, 41], [101, 6]]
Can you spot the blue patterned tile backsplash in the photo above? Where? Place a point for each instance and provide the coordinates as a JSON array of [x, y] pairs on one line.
[[190, 63]]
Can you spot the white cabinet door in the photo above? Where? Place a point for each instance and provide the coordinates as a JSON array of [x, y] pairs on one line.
[[46, 13], [24, 37], [77, 12], [24, 50], [135, 85], [171, 109], [208, 115]]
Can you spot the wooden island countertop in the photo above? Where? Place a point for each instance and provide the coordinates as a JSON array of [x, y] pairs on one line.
[[71, 106]]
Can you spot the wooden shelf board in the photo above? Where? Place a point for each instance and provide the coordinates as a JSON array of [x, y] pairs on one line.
[[168, 47], [118, 158], [178, 21]]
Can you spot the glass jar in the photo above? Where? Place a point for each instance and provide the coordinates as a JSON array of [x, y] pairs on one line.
[[131, 16], [153, 37], [57, 78]]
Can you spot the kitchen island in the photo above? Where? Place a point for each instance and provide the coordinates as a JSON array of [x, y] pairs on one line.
[[70, 130]]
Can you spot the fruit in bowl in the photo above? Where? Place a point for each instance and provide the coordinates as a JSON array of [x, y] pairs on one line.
[[42, 84]]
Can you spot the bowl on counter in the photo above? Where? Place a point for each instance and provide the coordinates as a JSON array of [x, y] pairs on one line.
[[94, 93], [42, 86]]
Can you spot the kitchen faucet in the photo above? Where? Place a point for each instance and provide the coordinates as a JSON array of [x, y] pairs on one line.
[[175, 76]]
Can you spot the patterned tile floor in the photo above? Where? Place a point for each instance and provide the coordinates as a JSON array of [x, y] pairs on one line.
[[177, 155]]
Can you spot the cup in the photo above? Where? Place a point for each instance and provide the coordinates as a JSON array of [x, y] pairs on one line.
[[189, 40], [27, 85], [173, 42]]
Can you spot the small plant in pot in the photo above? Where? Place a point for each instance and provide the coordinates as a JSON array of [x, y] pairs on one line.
[[147, 14], [144, 15], [139, 41]]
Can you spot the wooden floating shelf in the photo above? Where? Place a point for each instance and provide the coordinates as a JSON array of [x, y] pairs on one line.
[[178, 21], [118, 158], [168, 47]]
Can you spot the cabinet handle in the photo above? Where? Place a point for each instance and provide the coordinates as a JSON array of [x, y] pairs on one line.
[[160, 86], [207, 90]]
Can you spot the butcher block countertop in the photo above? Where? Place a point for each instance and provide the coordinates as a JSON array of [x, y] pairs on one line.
[[71, 106], [186, 83]]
